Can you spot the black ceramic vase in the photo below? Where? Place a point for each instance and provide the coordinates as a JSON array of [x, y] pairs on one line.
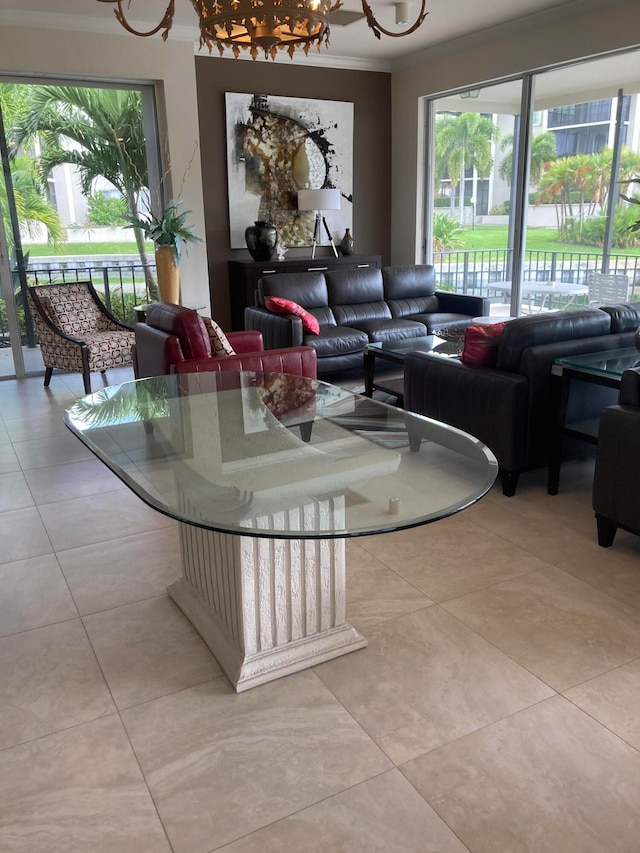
[[261, 240], [346, 244]]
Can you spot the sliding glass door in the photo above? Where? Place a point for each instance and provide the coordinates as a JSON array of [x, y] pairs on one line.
[[526, 177], [76, 161]]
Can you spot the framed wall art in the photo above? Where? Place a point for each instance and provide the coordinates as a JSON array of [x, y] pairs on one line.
[[277, 146]]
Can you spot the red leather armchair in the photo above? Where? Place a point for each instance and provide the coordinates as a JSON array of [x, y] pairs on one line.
[[174, 339]]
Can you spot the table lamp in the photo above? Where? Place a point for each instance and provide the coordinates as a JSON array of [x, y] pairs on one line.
[[319, 200]]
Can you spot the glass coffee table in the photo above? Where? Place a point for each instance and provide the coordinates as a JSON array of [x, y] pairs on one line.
[[396, 352], [603, 368], [262, 514]]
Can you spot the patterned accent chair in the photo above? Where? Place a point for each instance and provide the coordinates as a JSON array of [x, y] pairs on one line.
[[76, 331]]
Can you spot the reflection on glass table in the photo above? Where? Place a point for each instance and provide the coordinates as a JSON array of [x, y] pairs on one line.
[[263, 514]]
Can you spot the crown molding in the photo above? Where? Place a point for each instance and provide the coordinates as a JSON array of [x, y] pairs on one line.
[[108, 25], [497, 31]]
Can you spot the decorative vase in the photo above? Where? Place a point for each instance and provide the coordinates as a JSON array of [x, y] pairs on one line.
[[346, 244], [261, 240], [168, 273]]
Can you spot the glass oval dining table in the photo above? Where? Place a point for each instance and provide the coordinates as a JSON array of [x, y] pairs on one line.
[[267, 475]]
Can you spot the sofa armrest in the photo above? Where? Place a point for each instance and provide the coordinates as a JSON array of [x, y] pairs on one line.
[[298, 361], [156, 351], [489, 404], [617, 473], [247, 341], [278, 330], [463, 303]]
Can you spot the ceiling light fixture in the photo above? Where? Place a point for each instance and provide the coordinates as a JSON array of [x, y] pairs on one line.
[[403, 14], [265, 25]]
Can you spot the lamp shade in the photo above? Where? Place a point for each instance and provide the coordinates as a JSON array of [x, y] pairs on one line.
[[326, 199]]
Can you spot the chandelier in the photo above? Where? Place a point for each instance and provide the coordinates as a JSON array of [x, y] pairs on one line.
[[264, 25]]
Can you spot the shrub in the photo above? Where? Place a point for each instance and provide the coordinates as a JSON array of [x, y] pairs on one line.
[[447, 233], [107, 211], [592, 231], [500, 209]]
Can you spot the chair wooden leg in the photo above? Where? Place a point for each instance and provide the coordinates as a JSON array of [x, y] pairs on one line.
[[47, 376], [86, 374], [305, 430], [606, 531], [509, 480]]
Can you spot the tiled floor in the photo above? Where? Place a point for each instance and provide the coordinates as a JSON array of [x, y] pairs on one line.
[[495, 709]]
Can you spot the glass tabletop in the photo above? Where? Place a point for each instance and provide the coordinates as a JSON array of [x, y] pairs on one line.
[[609, 362], [224, 451], [428, 343]]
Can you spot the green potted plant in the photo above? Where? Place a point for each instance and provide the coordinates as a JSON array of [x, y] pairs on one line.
[[633, 199], [169, 234]]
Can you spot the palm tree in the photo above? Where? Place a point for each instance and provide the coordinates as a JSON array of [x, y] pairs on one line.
[[99, 131], [32, 206], [464, 142], [543, 150]]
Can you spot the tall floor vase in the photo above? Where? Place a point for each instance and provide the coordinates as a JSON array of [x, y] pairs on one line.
[[168, 273]]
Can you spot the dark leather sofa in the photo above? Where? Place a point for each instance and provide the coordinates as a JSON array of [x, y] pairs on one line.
[[513, 408], [355, 307], [617, 475]]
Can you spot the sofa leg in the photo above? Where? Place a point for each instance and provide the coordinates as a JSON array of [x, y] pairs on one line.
[[47, 376], [606, 531], [509, 480], [305, 430]]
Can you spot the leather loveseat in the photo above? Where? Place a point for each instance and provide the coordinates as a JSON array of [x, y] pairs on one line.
[[512, 407], [615, 484], [355, 307]]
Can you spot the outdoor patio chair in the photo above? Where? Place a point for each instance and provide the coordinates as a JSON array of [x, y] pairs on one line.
[[76, 331], [607, 289]]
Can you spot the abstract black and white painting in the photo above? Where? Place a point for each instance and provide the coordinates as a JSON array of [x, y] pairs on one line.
[[276, 146]]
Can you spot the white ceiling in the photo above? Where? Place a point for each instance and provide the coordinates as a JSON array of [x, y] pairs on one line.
[[447, 19]]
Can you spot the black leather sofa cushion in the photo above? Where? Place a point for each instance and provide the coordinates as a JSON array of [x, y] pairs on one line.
[[625, 317], [308, 289], [337, 340], [391, 330], [410, 290], [356, 295], [442, 320], [524, 332]]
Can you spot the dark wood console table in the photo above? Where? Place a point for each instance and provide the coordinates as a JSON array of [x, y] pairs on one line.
[[244, 275]]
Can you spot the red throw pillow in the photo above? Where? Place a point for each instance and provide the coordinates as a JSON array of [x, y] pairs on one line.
[[481, 344], [286, 306]]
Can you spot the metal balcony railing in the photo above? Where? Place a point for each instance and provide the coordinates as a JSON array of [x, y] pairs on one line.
[[473, 271]]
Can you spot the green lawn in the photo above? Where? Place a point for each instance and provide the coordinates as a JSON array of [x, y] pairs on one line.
[[38, 250], [481, 237], [538, 239]]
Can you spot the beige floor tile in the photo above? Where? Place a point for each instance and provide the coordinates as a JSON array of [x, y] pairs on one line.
[[547, 780], [8, 460], [426, 679], [49, 680], [149, 649], [34, 594], [22, 535], [40, 452], [457, 556], [375, 593], [14, 492], [613, 699], [4, 435], [33, 426], [221, 765], [382, 815], [78, 791], [71, 480], [98, 518], [614, 570], [129, 569], [562, 630]]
